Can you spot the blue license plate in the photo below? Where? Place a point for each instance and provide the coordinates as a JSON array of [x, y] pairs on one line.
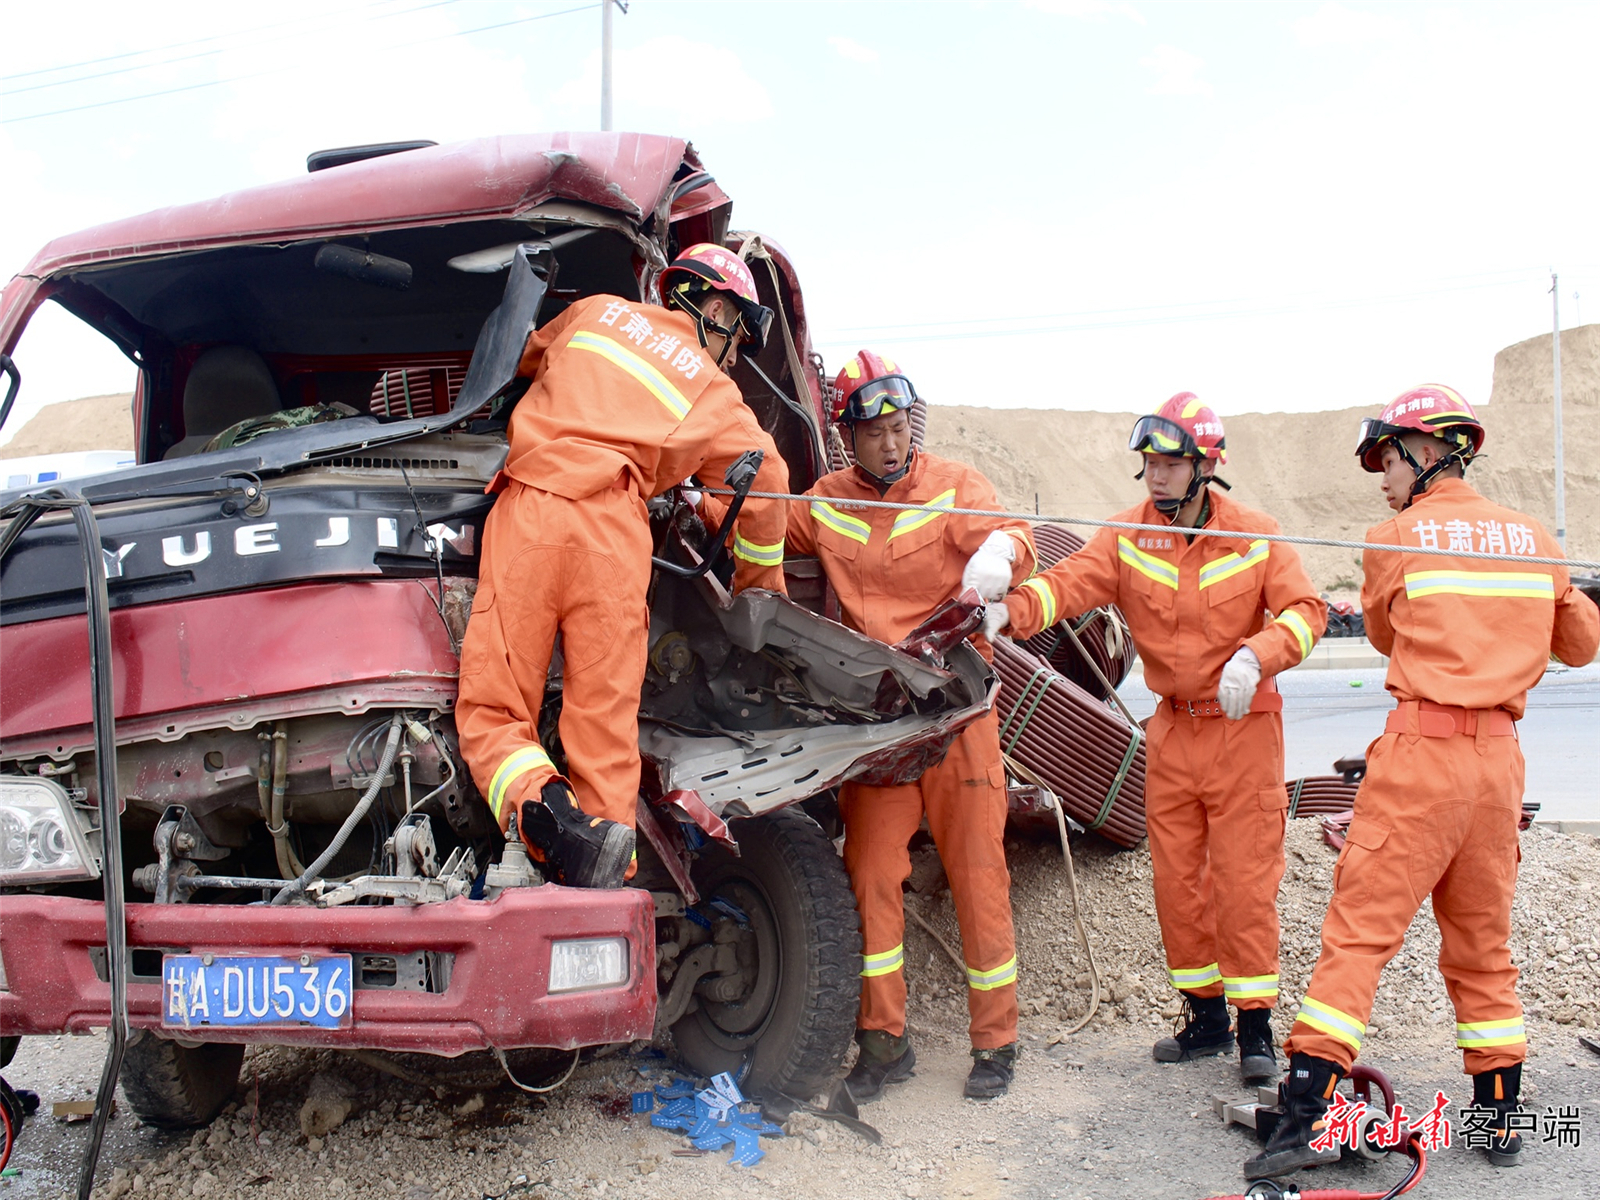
[[255, 990]]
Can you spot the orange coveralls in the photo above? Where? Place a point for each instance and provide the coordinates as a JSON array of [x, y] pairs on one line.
[[1215, 802], [1437, 813], [891, 570], [624, 404]]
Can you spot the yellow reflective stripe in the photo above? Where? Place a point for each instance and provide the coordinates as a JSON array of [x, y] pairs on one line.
[[1230, 565], [519, 762], [1301, 629], [764, 556], [911, 518], [1332, 1022], [851, 527], [883, 964], [1025, 540], [1047, 600], [987, 981], [1193, 977], [1524, 585], [1490, 1033], [1250, 987], [642, 369], [1147, 564]]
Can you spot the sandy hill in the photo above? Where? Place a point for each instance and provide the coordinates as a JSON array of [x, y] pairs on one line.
[[93, 423], [1300, 467]]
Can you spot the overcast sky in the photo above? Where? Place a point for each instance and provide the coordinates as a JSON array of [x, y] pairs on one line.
[[1069, 203]]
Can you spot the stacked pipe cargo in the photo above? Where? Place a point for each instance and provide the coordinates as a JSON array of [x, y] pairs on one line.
[[1103, 632]]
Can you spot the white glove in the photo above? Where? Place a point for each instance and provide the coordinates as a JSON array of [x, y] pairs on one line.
[[691, 497], [996, 616], [1240, 677], [989, 570]]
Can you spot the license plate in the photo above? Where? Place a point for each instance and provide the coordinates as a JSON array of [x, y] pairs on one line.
[[255, 990]]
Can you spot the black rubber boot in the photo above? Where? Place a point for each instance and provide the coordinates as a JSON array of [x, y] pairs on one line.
[[1257, 1062], [884, 1059], [1500, 1090], [992, 1071], [580, 850], [1304, 1095], [1205, 1031]]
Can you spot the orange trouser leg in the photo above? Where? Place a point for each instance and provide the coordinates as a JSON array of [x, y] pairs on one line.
[[964, 799], [1439, 816], [1215, 807], [580, 568]]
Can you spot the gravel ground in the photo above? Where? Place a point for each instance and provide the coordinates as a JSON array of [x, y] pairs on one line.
[[1090, 1115]]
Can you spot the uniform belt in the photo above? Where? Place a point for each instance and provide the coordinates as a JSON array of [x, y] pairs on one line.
[[1446, 720], [1267, 699]]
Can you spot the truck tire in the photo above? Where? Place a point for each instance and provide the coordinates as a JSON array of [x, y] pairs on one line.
[[795, 1021], [178, 1087]]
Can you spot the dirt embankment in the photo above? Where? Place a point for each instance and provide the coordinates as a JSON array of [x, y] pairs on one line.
[[93, 423], [1300, 466]]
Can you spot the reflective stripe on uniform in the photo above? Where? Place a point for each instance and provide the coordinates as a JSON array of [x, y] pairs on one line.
[[1025, 541], [1188, 978], [1230, 565], [1147, 564], [519, 762], [1474, 1034], [1047, 600], [1250, 987], [1301, 629], [762, 556], [912, 519], [642, 369], [1524, 585], [883, 964], [851, 527], [1332, 1022], [987, 981]]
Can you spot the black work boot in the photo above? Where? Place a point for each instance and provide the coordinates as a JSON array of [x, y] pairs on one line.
[[1499, 1090], [991, 1072], [581, 851], [1304, 1096], [1257, 1062], [884, 1059], [1205, 1031]]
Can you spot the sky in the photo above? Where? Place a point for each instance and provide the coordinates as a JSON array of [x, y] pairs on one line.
[[1079, 204]]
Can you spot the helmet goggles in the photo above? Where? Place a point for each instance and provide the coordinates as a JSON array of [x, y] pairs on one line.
[[875, 397], [1157, 435]]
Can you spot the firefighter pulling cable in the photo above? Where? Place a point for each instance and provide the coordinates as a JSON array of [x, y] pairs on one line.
[[627, 399]]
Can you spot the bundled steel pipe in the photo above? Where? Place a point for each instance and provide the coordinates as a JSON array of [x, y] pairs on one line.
[[1103, 632], [1332, 796], [1085, 752]]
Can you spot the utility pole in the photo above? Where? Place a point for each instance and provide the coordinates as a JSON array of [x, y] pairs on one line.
[[1561, 481], [605, 60]]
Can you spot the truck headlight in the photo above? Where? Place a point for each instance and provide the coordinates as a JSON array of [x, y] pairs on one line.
[[590, 963], [42, 837]]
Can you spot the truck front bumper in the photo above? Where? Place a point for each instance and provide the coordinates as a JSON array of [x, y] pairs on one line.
[[487, 981]]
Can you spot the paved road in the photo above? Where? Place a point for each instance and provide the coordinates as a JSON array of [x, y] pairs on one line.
[[1329, 714]]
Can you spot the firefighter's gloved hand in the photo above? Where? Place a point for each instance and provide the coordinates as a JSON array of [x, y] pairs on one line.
[[996, 616], [1240, 677], [989, 570], [692, 497]]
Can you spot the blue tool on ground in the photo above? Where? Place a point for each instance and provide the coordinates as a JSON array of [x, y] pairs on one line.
[[710, 1118]]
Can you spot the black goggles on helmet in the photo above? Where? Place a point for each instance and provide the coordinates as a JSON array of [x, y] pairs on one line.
[[757, 323], [884, 394], [1158, 435]]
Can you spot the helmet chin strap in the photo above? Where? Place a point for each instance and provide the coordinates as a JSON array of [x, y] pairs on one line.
[[1426, 475], [702, 323], [893, 477], [1171, 508]]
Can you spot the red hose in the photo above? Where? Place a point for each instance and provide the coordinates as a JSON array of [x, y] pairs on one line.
[[1419, 1168]]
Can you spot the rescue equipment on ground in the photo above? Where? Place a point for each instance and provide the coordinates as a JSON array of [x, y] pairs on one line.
[[710, 1118]]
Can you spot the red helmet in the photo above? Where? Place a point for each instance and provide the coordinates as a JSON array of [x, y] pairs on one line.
[[707, 266], [1184, 426], [1433, 409], [869, 384]]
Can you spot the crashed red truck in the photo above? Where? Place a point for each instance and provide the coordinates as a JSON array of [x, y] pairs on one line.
[[261, 705]]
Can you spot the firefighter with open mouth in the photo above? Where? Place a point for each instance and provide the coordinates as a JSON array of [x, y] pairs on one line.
[[1438, 810], [627, 399], [1214, 620]]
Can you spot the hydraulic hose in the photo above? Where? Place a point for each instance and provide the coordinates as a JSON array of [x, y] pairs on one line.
[[289, 865], [390, 749], [1268, 1189]]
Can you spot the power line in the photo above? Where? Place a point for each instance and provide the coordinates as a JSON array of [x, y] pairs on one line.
[[283, 70]]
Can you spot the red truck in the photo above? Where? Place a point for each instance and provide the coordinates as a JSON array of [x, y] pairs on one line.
[[229, 671]]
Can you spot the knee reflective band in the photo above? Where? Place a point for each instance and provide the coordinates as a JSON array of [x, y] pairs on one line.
[[517, 763], [985, 981], [755, 552], [1190, 978], [1331, 1021], [883, 964], [1478, 1035], [1250, 987]]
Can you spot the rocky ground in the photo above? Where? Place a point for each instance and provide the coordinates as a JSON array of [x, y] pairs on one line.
[[1090, 1115]]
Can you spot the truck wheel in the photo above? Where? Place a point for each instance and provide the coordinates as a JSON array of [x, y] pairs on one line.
[[799, 944], [178, 1087]]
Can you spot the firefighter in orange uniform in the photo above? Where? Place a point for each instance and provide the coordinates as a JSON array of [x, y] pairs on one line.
[[627, 400], [1437, 812], [891, 569], [1214, 621]]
